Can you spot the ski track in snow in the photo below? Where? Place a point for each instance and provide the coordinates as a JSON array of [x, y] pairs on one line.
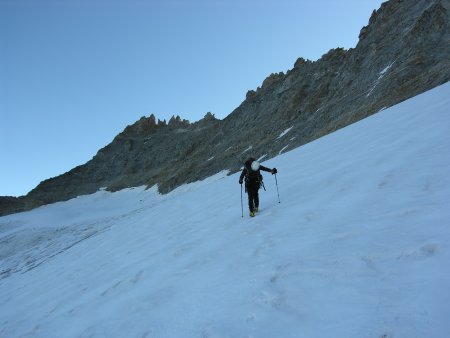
[[358, 247]]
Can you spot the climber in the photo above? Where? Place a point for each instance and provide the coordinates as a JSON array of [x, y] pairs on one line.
[[253, 181]]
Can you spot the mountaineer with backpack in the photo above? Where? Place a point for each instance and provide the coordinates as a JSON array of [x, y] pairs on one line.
[[253, 181]]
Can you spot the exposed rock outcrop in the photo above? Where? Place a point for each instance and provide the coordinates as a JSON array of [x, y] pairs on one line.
[[403, 51]]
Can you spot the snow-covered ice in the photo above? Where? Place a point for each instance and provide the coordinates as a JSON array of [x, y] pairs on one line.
[[359, 246]]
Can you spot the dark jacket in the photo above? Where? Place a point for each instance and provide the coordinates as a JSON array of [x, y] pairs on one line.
[[253, 179]]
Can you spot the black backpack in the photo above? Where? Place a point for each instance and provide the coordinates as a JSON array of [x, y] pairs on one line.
[[253, 177]]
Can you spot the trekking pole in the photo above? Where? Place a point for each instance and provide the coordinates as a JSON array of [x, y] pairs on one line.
[[242, 205], [277, 188]]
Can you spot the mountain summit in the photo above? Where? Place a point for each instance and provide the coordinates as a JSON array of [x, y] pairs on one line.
[[402, 52]]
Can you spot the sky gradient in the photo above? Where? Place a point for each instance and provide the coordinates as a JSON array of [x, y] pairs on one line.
[[74, 74]]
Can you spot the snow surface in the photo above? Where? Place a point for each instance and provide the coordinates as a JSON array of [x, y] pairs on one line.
[[285, 132], [261, 158], [283, 149], [384, 71], [381, 75], [358, 247]]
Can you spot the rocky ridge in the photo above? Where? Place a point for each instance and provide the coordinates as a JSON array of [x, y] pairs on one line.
[[402, 52]]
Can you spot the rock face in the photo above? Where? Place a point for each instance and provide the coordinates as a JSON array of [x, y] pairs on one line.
[[402, 52]]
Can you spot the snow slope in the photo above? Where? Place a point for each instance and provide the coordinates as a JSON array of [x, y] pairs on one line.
[[358, 247]]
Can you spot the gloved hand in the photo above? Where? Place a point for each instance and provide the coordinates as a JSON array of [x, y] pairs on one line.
[[274, 171], [240, 181]]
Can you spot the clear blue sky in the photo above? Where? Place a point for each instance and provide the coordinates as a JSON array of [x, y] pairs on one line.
[[75, 73]]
